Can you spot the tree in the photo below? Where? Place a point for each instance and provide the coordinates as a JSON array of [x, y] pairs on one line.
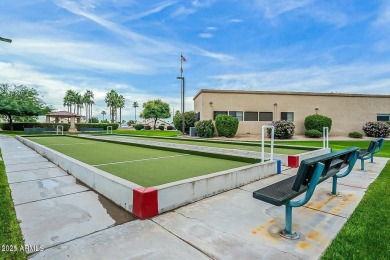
[[155, 109], [88, 102], [103, 113], [112, 102], [121, 104], [189, 120], [69, 99], [135, 105], [20, 101]]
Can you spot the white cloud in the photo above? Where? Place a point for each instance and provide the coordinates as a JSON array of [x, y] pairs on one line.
[[272, 9], [236, 20], [206, 35], [155, 10], [354, 78]]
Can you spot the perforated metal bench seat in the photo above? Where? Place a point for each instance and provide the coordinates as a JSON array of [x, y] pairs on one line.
[[278, 193], [281, 192], [363, 153]]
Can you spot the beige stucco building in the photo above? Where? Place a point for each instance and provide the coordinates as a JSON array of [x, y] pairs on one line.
[[253, 109]]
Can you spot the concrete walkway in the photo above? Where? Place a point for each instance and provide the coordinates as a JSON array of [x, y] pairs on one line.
[[70, 222]]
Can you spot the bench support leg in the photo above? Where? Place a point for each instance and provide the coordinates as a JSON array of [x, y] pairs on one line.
[[362, 164], [334, 186], [372, 158], [287, 232]]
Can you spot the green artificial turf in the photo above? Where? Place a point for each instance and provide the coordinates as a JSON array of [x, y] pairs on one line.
[[144, 166], [339, 145], [227, 145], [366, 235], [10, 234], [148, 132]]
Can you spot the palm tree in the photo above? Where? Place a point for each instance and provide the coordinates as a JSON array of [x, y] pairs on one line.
[[112, 102], [103, 113], [88, 101], [69, 99], [79, 102], [121, 104], [135, 105]]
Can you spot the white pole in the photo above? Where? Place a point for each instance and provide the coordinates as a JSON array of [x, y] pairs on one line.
[[272, 141], [62, 129], [325, 134]]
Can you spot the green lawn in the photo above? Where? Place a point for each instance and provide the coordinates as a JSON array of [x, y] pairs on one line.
[[339, 145], [144, 166], [148, 132], [10, 234], [222, 144]]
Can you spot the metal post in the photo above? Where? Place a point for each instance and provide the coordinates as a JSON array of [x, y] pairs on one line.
[[183, 118], [334, 186], [272, 141], [288, 219]]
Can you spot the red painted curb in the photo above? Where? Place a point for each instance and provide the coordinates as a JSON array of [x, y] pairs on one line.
[[293, 161], [145, 202]]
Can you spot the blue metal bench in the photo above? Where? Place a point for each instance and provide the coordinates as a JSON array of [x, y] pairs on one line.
[[86, 129], [37, 130], [310, 172], [374, 147]]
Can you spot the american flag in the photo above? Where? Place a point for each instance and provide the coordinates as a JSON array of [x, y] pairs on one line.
[[183, 58]]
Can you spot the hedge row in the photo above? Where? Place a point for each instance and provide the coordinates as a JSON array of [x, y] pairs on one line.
[[21, 126], [96, 125]]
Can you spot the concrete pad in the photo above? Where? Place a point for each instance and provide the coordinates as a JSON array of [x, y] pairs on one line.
[[30, 166], [44, 189], [27, 154], [133, 240], [58, 220], [24, 160], [38, 174], [343, 205], [234, 225]]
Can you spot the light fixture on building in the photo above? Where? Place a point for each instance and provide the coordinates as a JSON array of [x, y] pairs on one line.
[[211, 103], [316, 110]]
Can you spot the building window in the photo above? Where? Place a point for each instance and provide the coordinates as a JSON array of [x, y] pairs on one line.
[[383, 117], [236, 114], [265, 116], [219, 113], [288, 116], [197, 116], [251, 116]]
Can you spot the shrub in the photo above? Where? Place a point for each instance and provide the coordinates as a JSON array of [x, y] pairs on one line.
[[21, 126], [138, 127], [161, 127], [147, 127], [189, 120], [169, 127], [283, 129], [226, 125], [317, 122], [313, 133], [205, 128], [93, 120], [355, 135], [376, 129]]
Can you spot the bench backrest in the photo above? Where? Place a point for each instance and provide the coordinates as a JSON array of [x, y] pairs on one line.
[[380, 141], [372, 146], [333, 163]]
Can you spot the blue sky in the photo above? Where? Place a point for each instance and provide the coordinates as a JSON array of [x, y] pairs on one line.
[[134, 47]]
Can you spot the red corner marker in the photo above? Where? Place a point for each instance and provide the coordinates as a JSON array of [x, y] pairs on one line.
[[145, 202], [293, 161]]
